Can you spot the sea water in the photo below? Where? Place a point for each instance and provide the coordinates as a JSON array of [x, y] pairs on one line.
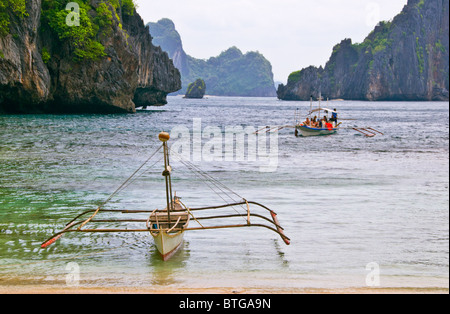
[[359, 211]]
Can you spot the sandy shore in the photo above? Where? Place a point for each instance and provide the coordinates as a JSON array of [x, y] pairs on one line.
[[40, 285], [221, 290]]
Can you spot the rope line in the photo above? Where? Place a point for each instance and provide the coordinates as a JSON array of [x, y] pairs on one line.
[[211, 181], [119, 189]]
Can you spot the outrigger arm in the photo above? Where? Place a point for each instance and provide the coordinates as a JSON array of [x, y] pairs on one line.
[[71, 227], [274, 221]]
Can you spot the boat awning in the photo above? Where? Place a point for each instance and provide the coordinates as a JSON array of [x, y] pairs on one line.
[[322, 109]]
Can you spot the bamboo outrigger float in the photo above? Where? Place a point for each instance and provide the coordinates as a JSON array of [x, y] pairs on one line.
[[167, 226]]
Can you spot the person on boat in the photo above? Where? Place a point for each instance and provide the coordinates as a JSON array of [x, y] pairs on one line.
[[334, 117], [323, 122], [307, 122], [314, 122]]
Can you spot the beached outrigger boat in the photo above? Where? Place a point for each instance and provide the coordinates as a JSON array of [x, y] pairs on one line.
[[168, 226]]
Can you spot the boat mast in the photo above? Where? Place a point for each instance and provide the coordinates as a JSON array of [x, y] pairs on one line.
[[320, 102], [164, 137]]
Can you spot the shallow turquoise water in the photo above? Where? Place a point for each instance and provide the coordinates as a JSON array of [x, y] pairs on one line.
[[344, 200]]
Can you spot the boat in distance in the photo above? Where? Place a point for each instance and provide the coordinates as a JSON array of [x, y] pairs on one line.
[[314, 127], [316, 124]]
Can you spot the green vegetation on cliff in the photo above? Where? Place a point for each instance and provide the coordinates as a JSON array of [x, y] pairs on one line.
[[294, 77], [196, 89], [18, 8], [94, 23], [378, 40]]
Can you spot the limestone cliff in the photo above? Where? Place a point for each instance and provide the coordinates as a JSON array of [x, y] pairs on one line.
[[405, 59], [106, 64], [23, 74]]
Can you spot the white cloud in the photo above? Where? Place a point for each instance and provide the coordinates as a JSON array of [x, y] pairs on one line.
[[292, 34]]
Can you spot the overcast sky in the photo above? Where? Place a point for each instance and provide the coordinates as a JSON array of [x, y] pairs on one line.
[[292, 34]]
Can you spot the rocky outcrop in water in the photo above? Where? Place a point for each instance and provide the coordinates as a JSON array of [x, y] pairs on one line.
[[107, 64], [196, 90], [405, 59], [232, 73]]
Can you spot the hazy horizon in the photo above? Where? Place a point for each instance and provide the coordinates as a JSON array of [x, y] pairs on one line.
[[291, 34]]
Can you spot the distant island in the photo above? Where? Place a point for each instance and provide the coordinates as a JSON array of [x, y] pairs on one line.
[[232, 73], [405, 59], [101, 62]]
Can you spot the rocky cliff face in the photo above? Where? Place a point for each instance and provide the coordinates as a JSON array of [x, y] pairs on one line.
[[167, 37], [406, 59], [157, 75], [46, 66], [232, 73], [23, 74]]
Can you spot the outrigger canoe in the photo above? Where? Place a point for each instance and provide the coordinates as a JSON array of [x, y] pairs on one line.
[[168, 226]]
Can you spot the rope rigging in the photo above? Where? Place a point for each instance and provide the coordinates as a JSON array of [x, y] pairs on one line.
[[123, 186], [211, 182]]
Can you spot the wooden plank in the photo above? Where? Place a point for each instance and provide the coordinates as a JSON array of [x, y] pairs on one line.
[[164, 217]]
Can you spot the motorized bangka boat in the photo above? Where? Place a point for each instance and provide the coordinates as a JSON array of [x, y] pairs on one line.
[[327, 127], [318, 125], [168, 226]]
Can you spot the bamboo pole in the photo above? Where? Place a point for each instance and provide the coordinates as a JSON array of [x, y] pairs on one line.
[[372, 129], [181, 229]]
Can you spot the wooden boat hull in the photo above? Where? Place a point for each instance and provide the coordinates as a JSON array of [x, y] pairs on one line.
[[168, 244], [168, 236], [307, 131]]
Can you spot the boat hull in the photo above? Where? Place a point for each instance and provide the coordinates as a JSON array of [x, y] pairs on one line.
[[168, 244], [307, 131], [168, 232]]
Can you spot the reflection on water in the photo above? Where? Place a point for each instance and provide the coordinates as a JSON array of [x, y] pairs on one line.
[[165, 273], [283, 260]]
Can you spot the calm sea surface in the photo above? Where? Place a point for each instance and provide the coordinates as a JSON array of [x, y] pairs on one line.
[[351, 205]]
